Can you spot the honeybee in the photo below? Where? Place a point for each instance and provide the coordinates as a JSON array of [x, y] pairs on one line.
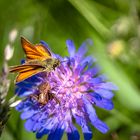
[[44, 95]]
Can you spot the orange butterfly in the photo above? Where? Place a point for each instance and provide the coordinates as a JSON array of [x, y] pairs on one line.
[[38, 59]]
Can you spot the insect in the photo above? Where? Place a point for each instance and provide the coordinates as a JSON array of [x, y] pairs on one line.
[[44, 95], [38, 59]]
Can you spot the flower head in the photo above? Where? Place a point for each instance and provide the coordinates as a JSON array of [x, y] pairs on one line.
[[74, 89]]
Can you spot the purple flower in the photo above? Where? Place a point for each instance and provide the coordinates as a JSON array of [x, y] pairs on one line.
[[77, 86]]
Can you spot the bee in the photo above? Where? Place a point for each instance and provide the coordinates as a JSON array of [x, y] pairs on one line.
[[44, 95], [38, 59]]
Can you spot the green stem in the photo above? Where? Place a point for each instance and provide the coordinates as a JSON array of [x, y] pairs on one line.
[[90, 13]]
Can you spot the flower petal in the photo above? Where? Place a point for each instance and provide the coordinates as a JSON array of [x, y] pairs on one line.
[[23, 106], [73, 133], [96, 80], [57, 133], [22, 61], [27, 114], [73, 136], [28, 85], [88, 59], [104, 93], [87, 136], [41, 133], [101, 126], [92, 71], [20, 106], [85, 129], [37, 126], [83, 48], [93, 117], [101, 102], [45, 44], [71, 48], [79, 70], [108, 85], [34, 79], [29, 124], [50, 123], [89, 109], [87, 132], [106, 104], [21, 92]]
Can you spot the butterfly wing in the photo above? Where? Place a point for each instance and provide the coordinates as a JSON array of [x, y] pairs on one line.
[[26, 71], [24, 68], [39, 51], [24, 75]]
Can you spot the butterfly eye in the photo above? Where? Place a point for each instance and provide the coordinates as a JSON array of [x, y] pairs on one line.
[[55, 65]]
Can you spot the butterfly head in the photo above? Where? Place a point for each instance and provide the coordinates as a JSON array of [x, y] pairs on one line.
[[56, 63]]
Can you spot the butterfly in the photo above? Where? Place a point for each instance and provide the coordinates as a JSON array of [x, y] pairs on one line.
[[38, 59], [44, 95]]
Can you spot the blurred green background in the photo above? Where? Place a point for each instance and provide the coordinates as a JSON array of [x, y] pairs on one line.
[[114, 27]]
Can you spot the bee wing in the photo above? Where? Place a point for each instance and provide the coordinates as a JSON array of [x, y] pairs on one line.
[[35, 51]]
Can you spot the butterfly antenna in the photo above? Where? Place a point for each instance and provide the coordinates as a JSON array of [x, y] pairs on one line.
[[63, 61]]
